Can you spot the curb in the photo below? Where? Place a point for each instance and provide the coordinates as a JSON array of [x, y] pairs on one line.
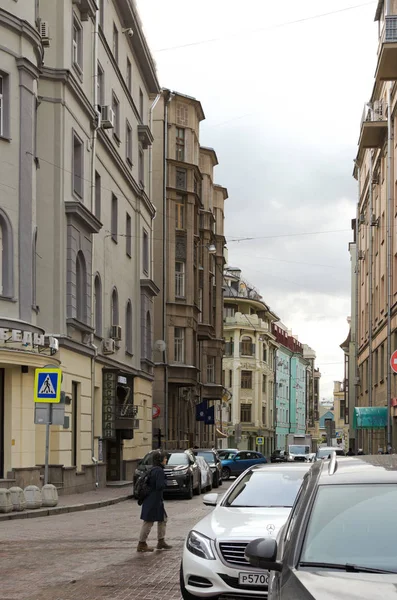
[[59, 510]]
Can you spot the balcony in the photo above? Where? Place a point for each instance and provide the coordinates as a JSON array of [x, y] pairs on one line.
[[373, 125], [386, 69], [246, 321]]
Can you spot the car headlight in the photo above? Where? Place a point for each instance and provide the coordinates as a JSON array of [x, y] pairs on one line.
[[200, 545]]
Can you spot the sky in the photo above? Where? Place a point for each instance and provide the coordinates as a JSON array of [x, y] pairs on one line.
[[283, 85]]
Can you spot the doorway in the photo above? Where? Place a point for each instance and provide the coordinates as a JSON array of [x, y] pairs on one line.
[[113, 458], [2, 425]]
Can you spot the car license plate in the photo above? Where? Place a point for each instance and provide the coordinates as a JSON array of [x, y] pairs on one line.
[[257, 579]]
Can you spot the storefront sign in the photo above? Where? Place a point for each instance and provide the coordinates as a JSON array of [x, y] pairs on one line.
[[109, 405], [27, 340]]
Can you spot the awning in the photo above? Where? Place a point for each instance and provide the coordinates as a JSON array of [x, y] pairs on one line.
[[370, 417]]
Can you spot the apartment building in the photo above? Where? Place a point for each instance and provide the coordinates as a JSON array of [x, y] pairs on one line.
[[291, 385], [188, 246], [83, 275], [248, 364], [375, 410]]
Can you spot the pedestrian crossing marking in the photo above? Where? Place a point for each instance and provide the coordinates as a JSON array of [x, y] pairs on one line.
[[47, 387]]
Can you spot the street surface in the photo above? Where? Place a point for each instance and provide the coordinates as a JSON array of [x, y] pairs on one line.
[[91, 555]]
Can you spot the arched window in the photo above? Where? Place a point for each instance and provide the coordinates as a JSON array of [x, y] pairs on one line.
[[6, 256], [34, 268], [97, 309], [128, 327], [81, 288], [115, 307], [148, 336], [247, 347]]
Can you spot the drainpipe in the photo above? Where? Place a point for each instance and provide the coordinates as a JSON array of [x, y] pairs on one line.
[[151, 147], [164, 315], [357, 303], [389, 240], [370, 273], [93, 159]]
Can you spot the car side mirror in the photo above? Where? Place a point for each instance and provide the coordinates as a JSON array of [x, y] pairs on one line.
[[210, 499], [262, 554]]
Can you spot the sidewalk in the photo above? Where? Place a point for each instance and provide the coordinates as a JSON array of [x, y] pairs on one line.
[[75, 502]]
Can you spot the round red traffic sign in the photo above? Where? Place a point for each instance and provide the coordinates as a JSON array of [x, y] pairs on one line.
[[156, 411], [393, 361]]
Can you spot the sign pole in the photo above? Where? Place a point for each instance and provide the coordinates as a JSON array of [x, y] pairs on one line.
[[47, 446]]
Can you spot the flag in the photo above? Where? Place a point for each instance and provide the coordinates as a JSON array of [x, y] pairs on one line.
[[210, 416], [201, 411]]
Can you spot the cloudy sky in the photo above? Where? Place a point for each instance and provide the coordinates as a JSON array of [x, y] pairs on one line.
[[283, 86]]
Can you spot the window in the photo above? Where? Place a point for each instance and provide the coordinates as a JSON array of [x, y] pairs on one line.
[[141, 104], [100, 85], [382, 362], [179, 344], [77, 46], [129, 75], [115, 47], [245, 416], [114, 218], [264, 384], [78, 166], [180, 179], [2, 105], [98, 305], [148, 348], [97, 195], [230, 378], [229, 311], [34, 268], [101, 12], [180, 279], [247, 347], [81, 288], [210, 369], [145, 252], [128, 143], [115, 307], [180, 144], [128, 235], [246, 380], [128, 327], [342, 409], [116, 110], [180, 212], [141, 167], [263, 415], [264, 353]]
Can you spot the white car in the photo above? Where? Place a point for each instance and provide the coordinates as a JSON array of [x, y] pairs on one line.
[[257, 504], [206, 473]]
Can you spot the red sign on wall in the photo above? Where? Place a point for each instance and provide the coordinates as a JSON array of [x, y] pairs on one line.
[[156, 411]]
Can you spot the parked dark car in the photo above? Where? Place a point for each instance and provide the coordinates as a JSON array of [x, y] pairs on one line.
[[214, 462], [182, 472], [339, 541], [278, 456]]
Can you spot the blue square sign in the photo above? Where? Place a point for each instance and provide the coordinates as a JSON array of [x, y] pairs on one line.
[[47, 385]]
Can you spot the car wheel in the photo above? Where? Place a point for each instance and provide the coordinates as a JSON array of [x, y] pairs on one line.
[[189, 493], [197, 491], [226, 473], [185, 594]]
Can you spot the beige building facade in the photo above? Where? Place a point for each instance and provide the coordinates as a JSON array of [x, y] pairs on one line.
[[376, 282], [78, 84], [248, 365], [188, 245]]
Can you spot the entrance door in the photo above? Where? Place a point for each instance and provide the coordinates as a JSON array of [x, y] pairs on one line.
[[2, 425], [113, 459]]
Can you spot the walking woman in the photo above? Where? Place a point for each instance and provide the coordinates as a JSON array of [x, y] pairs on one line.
[[153, 506]]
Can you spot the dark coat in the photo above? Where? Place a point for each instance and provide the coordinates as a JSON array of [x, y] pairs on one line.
[[153, 506]]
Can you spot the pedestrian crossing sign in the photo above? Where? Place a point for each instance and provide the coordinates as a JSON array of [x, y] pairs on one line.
[[47, 385]]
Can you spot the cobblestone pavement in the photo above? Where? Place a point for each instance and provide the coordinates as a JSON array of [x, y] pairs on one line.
[[92, 555]]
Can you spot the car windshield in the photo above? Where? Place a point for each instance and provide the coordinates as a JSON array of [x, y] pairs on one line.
[[208, 456], [351, 524], [268, 487], [299, 449], [323, 452], [178, 459]]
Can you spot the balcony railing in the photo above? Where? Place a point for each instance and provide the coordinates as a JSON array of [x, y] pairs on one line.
[[386, 69], [390, 29], [373, 125]]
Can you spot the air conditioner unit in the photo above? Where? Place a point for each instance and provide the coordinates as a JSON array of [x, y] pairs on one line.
[[356, 381], [361, 255], [379, 109], [361, 219], [115, 332], [375, 178], [107, 117], [44, 33], [108, 346], [374, 221]]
